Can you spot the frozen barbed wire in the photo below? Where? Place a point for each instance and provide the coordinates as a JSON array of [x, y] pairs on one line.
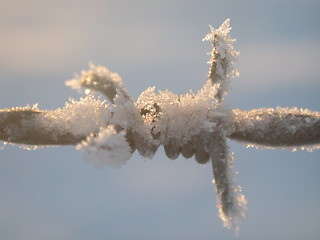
[[193, 124]]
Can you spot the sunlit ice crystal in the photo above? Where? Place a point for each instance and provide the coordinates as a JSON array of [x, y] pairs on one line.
[[108, 147]]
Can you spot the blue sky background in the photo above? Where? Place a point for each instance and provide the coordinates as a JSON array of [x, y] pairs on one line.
[[53, 193]]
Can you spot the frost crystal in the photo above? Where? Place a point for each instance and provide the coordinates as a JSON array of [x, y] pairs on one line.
[[77, 117], [99, 79], [222, 57], [127, 116], [108, 147], [178, 118]]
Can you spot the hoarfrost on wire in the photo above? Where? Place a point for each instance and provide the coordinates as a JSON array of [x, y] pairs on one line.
[[288, 127], [99, 78], [193, 124], [80, 118], [181, 117], [108, 147]]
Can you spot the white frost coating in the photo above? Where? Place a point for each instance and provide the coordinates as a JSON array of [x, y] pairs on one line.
[[108, 147], [25, 146], [278, 128], [97, 75], [79, 118], [127, 115], [223, 56], [223, 44], [100, 79], [181, 117], [308, 148], [235, 202]]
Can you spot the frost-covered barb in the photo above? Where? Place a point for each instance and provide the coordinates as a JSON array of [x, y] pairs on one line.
[[230, 202], [193, 124], [222, 57], [100, 79]]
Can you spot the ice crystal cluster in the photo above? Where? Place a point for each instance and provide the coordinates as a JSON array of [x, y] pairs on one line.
[[192, 124]]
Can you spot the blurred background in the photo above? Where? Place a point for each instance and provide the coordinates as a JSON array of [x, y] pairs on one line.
[[54, 193]]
